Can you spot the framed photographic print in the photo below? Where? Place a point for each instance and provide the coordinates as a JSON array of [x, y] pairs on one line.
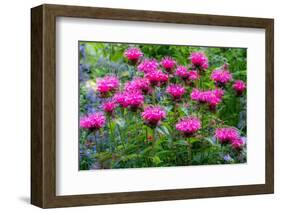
[[136, 106]]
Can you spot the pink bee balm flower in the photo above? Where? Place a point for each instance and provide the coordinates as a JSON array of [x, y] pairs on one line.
[[192, 75], [133, 99], [195, 94], [237, 143], [109, 107], [157, 77], [239, 86], [218, 92], [148, 65], [107, 84], [93, 121], [133, 54], [199, 60], [221, 76], [176, 91], [188, 126], [211, 97], [139, 84], [226, 135], [168, 63], [181, 71], [152, 115]]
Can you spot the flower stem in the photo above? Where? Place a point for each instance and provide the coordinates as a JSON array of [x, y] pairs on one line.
[[189, 152], [112, 140]]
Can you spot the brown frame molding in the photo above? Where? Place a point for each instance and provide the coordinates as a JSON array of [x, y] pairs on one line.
[[43, 105]]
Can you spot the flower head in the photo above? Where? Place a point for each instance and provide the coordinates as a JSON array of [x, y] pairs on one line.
[[176, 91], [227, 158], [133, 99], [157, 77], [210, 97], [188, 126], [226, 135], [148, 65], [181, 71], [107, 84], [192, 75], [239, 86], [133, 54], [237, 143], [168, 63], [139, 84], [221, 76], [109, 107], [152, 115], [195, 95], [199, 60], [93, 121]]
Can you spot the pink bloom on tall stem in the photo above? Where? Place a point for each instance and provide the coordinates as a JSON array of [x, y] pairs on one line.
[[133, 54], [176, 91], [192, 75], [152, 115], [168, 63], [93, 121], [226, 135], [221, 77], [211, 97], [133, 99], [239, 86], [109, 107], [181, 71], [195, 95], [157, 77], [107, 85], [148, 65], [188, 126], [199, 60], [139, 84]]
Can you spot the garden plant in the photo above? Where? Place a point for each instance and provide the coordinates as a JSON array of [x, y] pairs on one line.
[[146, 105]]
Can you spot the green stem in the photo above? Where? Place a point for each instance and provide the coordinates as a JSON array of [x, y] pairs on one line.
[[111, 134], [189, 152], [146, 133], [96, 141]]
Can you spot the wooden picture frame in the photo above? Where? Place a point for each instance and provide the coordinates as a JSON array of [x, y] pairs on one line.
[[43, 105]]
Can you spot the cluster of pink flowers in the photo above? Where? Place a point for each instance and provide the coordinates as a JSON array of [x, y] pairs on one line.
[[211, 97], [168, 63], [152, 115], [109, 107], [229, 136], [133, 54], [107, 84], [188, 126], [221, 76], [133, 99], [199, 60], [148, 65], [186, 74], [239, 86], [139, 84], [157, 77], [176, 91], [93, 121]]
